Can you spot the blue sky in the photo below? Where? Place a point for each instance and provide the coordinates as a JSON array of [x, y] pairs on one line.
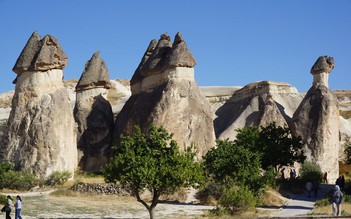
[[234, 42]]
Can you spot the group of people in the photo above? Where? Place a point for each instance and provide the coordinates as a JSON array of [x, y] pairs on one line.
[[9, 204], [312, 185], [336, 195]]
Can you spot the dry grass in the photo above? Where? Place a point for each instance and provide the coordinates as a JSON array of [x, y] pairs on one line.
[[327, 210], [273, 199], [345, 114], [5, 102]]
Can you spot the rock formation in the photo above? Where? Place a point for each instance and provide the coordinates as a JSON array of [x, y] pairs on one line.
[[93, 115], [168, 96], [317, 120], [256, 104], [41, 130]]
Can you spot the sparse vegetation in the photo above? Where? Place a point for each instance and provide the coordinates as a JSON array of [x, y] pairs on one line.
[[58, 178], [310, 171], [152, 163]]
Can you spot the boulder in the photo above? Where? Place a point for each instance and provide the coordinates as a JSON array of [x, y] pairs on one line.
[[41, 134], [93, 115], [317, 121]]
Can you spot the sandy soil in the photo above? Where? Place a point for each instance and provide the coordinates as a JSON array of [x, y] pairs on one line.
[[44, 205]]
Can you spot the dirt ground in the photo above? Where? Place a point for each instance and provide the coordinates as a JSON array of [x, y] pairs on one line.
[[44, 205]]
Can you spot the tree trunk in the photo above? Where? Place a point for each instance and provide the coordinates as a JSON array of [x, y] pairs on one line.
[[151, 213]]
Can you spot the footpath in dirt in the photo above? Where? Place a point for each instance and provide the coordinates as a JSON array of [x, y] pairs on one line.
[[301, 205]]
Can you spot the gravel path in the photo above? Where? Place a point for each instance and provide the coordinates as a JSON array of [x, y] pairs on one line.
[[301, 205]]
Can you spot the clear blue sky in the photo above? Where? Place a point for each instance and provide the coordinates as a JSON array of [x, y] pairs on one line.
[[234, 42]]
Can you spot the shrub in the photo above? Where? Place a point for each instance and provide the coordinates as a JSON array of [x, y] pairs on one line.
[[323, 202], [237, 199], [310, 171], [19, 180], [58, 178], [212, 191]]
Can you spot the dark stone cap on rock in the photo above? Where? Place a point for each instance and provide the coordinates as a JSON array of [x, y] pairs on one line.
[[94, 75], [41, 55], [323, 64], [137, 76], [180, 55], [156, 61]]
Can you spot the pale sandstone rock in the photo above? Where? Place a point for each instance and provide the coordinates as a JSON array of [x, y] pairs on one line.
[[93, 115], [41, 137], [169, 97], [247, 107], [317, 121]]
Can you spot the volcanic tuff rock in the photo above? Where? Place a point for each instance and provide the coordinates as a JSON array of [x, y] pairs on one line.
[[256, 104], [170, 98], [317, 121], [94, 75], [155, 64], [321, 69], [93, 115], [41, 130], [137, 78], [41, 55]]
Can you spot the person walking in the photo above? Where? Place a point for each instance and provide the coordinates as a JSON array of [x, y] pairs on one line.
[[18, 207], [8, 208], [309, 187], [337, 200], [315, 184]]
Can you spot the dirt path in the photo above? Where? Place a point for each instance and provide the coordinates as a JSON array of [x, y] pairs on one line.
[[44, 205], [301, 205]]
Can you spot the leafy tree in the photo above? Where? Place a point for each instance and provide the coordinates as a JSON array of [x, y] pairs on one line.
[[231, 162], [310, 171], [153, 163], [279, 148]]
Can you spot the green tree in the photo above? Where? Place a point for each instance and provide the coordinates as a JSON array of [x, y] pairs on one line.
[[152, 163], [279, 148], [232, 162]]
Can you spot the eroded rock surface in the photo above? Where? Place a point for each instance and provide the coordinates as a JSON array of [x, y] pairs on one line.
[[93, 115], [41, 129], [317, 121], [169, 97]]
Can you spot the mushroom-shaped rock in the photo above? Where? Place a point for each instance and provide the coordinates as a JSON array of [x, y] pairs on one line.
[[323, 64], [137, 76], [180, 55], [41, 55], [94, 75], [156, 62]]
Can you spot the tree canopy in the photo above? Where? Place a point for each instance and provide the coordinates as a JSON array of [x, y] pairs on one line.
[[154, 163]]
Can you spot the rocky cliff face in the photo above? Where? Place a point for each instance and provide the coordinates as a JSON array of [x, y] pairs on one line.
[[93, 115], [41, 130], [256, 104], [317, 120], [168, 95]]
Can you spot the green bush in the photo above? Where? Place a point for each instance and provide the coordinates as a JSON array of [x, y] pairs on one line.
[[19, 180], [237, 199], [58, 178], [212, 190], [310, 171], [323, 202]]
